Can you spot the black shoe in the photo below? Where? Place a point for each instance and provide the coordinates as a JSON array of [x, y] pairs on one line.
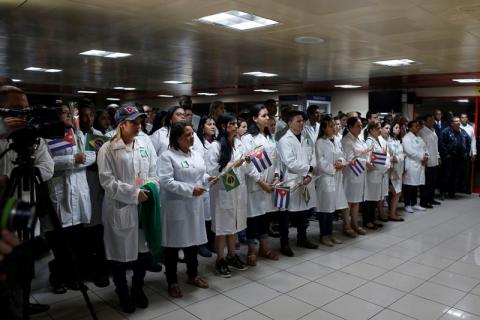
[[222, 269], [272, 233], [139, 298], [58, 289], [287, 251], [305, 243], [101, 280], [236, 263], [434, 202], [204, 252], [36, 308], [442, 197], [370, 226], [383, 219], [378, 225], [154, 267], [126, 302], [428, 206]]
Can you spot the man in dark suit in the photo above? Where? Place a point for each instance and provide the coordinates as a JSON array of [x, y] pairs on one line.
[[440, 124]]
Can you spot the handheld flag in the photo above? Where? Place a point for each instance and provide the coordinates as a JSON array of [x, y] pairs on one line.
[[95, 142], [67, 141], [230, 180], [379, 158], [356, 167], [282, 197], [260, 160]]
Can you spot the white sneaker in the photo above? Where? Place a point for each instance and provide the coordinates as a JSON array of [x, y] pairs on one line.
[[419, 208], [409, 209]]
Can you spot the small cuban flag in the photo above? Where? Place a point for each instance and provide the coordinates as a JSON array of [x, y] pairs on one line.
[[356, 167], [67, 141], [230, 180], [95, 142], [282, 197], [379, 158], [260, 160]]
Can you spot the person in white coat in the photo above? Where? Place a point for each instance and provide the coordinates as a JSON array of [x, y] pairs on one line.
[[374, 185], [297, 156], [416, 158], [355, 150], [396, 173], [229, 208], [312, 127], [466, 186], [124, 164], [427, 191], [183, 178], [260, 187], [329, 185]]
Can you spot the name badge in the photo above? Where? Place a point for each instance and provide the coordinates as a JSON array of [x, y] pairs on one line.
[[185, 164], [143, 153]]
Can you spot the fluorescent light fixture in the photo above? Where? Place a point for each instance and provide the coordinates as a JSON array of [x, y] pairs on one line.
[[165, 96], [207, 94], [260, 74], [173, 82], [237, 20], [86, 91], [16, 80], [309, 40], [105, 54], [118, 88], [346, 86], [462, 100], [129, 88], [42, 69], [265, 90], [474, 80], [113, 99], [395, 62]]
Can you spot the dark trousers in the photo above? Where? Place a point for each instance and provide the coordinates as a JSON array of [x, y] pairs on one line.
[[427, 191], [465, 183], [257, 228], [452, 171], [410, 195], [210, 234], [171, 260], [95, 250], [119, 273], [325, 220], [299, 219], [368, 215]]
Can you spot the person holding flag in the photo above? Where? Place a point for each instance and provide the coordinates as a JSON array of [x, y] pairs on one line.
[[297, 155], [329, 185], [228, 198], [356, 153], [374, 192], [260, 186]]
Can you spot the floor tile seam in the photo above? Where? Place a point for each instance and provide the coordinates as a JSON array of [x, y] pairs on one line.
[[330, 272], [430, 299]]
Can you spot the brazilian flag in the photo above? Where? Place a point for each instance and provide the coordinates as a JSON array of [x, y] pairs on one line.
[[95, 142], [230, 180]]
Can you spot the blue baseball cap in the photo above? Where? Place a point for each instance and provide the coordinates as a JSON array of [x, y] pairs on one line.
[[128, 112]]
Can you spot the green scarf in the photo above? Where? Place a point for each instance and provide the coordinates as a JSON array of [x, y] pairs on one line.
[[150, 220]]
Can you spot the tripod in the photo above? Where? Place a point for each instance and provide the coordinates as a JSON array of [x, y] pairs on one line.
[[25, 177]]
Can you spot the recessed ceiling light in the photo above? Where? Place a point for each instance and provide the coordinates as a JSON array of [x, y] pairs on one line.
[[207, 94], [473, 80], [173, 82], [237, 20], [113, 99], [129, 88], [86, 91], [16, 80], [395, 62], [165, 96], [53, 70], [265, 90], [118, 88], [42, 69], [309, 40], [462, 100], [260, 74], [105, 54], [346, 86]]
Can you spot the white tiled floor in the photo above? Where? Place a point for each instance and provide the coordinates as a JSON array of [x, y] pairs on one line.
[[427, 267]]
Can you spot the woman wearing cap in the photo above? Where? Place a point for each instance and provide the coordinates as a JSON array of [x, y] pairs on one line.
[[183, 178], [125, 163]]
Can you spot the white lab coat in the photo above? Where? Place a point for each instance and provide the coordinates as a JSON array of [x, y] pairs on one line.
[[183, 221], [161, 139], [374, 180], [312, 130], [396, 175], [329, 184], [354, 186], [229, 209], [415, 149], [388, 165], [69, 190], [296, 158], [260, 202], [430, 138], [471, 133], [120, 167], [206, 195]]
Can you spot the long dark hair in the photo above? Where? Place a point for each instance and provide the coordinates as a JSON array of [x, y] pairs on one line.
[[168, 118], [350, 123], [201, 124], [323, 125], [394, 123], [158, 121], [226, 149], [176, 132], [252, 127]]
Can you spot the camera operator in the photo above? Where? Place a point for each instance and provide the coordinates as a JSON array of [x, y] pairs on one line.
[[23, 266]]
